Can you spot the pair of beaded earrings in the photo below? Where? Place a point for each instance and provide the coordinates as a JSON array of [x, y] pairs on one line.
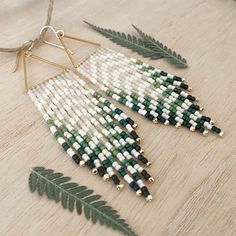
[[96, 133]]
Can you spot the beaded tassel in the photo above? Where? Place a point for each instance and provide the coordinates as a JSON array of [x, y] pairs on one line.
[[153, 93], [93, 131]]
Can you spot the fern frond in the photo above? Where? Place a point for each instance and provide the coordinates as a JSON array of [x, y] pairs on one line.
[[132, 42], [73, 196], [172, 56]]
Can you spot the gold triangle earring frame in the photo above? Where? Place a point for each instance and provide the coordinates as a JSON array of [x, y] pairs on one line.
[[29, 54], [60, 35]]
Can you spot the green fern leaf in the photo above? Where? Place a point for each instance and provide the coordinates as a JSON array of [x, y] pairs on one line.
[[49, 190], [79, 207], [162, 50], [71, 195], [33, 182], [41, 186], [132, 42], [64, 199], [71, 203]]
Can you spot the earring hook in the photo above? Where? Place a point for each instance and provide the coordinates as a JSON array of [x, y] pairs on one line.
[[58, 33]]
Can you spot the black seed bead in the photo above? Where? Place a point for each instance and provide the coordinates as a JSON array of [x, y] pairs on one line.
[[115, 179], [205, 118], [101, 171], [184, 86], [149, 116], [90, 164], [134, 186], [145, 174], [134, 134], [130, 121], [187, 124], [65, 146], [200, 128], [172, 121], [195, 107], [142, 159], [177, 78], [145, 191], [161, 119], [76, 158], [191, 98], [216, 129], [136, 147], [163, 73]]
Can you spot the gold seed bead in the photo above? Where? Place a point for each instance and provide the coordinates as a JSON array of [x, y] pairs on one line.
[[120, 186], [178, 125], [135, 126], [151, 179], [95, 171], [82, 163], [155, 121], [141, 151], [166, 122], [205, 133], [183, 79], [106, 177], [201, 108], [190, 89], [148, 163], [138, 193], [192, 128], [212, 122], [149, 198], [138, 140], [197, 99], [221, 134]]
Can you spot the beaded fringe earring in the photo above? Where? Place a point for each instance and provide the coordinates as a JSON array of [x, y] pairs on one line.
[[96, 133], [92, 130], [153, 93]]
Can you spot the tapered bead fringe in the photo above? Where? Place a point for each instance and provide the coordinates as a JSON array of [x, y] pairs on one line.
[[93, 131], [153, 93]]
